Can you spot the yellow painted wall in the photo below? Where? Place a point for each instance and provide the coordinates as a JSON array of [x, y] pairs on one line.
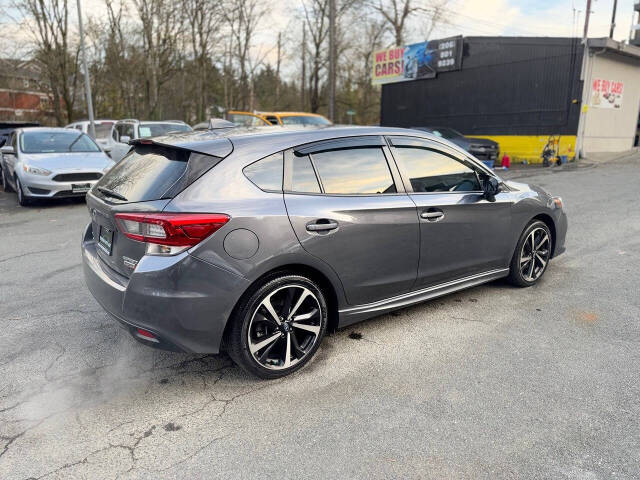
[[529, 147]]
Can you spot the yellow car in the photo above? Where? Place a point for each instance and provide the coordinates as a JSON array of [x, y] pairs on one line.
[[249, 119]]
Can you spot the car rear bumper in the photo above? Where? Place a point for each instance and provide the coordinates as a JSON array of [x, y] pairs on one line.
[[183, 301]]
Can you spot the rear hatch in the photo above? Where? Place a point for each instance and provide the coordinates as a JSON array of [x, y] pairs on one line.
[[146, 180]]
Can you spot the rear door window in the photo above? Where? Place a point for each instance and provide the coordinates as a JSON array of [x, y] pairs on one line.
[[151, 172], [354, 171]]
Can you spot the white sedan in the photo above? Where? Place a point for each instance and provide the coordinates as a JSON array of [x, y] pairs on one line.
[[51, 163]]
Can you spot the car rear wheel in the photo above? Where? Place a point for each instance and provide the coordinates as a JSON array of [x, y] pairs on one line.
[[278, 328], [23, 200], [531, 258]]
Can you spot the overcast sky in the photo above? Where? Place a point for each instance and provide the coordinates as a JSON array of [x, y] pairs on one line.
[[462, 17]]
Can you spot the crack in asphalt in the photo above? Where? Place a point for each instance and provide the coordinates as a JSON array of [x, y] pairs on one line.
[[26, 254], [203, 369]]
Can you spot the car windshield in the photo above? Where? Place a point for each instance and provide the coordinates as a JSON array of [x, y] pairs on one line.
[[56, 142], [146, 130], [303, 120], [103, 129], [447, 133]]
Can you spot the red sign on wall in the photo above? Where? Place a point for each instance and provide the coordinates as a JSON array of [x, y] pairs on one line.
[[606, 93]]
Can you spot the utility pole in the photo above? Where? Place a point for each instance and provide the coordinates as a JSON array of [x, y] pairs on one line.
[[586, 77], [278, 71], [87, 84], [613, 18], [586, 22], [332, 60], [303, 83]]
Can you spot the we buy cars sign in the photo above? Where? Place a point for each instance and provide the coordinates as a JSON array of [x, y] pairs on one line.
[[606, 93], [387, 66], [417, 61]]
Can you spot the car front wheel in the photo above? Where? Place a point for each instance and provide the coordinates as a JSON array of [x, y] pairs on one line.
[[278, 328], [531, 258], [23, 200]]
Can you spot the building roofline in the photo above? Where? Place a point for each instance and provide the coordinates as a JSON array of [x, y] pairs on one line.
[[614, 46]]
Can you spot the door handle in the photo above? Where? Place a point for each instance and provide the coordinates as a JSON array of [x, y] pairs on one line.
[[433, 215], [321, 226]]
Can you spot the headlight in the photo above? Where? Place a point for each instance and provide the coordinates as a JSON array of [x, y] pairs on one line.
[[36, 170], [107, 168]]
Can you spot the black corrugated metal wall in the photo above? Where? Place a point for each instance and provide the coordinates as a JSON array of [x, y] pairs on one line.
[[507, 86]]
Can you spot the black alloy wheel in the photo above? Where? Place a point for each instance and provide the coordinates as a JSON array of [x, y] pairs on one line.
[[532, 255], [279, 328]]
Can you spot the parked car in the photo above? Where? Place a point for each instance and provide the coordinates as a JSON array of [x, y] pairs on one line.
[[5, 132], [125, 130], [103, 131], [258, 119], [246, 119], [295, 118], [51, 163], [257, 243], [214, 124], [481, 148]]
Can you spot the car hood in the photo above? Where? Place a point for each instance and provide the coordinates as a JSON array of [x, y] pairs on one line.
[[72, 161], [527, 187]]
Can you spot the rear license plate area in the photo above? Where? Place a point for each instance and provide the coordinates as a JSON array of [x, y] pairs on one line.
[[80, 187], [105, 239]]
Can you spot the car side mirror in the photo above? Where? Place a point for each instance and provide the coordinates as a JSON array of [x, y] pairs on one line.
[[491, 187], [7, 149], [125, 139]]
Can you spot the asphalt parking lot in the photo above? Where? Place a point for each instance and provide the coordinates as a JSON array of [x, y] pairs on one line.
[[492, 382]]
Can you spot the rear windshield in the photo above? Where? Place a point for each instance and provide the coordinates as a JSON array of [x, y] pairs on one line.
[[151, 172], [147, 130], [56, 142]]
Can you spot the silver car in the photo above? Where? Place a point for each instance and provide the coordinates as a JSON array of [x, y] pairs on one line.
[[51, 163], [257, 243]]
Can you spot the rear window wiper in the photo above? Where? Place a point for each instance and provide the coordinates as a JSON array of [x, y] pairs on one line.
[[111, 193]]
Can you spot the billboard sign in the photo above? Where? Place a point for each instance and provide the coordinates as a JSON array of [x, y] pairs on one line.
[[417, 61], [606, 93]]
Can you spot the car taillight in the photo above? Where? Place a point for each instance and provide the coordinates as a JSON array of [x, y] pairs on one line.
[[171, 233]]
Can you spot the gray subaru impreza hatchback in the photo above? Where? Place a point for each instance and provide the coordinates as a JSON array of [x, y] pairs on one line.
[[257, 242]]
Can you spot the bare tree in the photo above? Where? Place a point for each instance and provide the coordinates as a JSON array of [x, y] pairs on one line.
[[316, 13], [371, 36], [204, 18], [397, 14], [117, 79], [243, 17], [49, 26], [316, 18], [161, 25]]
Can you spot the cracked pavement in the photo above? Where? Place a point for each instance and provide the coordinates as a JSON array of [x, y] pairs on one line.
[[492, 382]]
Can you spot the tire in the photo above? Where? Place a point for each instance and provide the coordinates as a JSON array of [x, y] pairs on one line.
[[532, 254], [5, 182], [23, 200], [260, 344]]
